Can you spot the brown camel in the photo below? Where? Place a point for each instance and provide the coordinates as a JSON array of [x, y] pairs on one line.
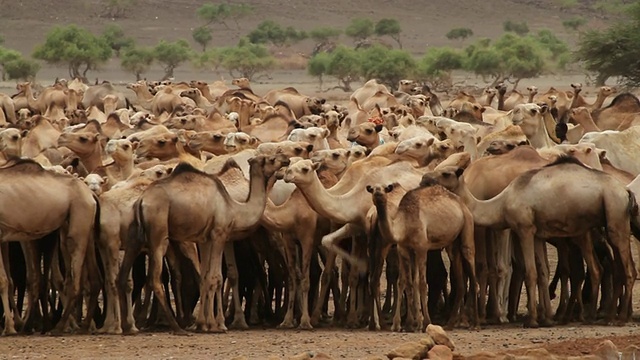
[[578, 101], [62, 202], [427, 218], [162, 214], [605, 203]]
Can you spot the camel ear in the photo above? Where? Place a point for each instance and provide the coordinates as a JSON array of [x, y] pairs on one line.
[[105, 180], [322, 101], [431, 141], [24, 133], [316, 166], [169, 170], [378, 127], [389, 188], [134, 145], [253, 140], [370, 189], [588, 150], [69, 169], [325, 133], [602, 154], [459, 171], [310, 148]]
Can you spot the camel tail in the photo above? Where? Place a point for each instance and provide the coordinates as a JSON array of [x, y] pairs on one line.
[[633, 212], [136, 229], [96, 220]]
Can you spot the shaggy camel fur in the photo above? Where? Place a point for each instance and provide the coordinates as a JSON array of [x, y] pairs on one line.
[[162, 214], [63, 202], [427, 218], [605, 203]]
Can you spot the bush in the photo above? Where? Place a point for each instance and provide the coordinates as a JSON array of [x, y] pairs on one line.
[[574, 23], [21, 69], [269, 31], [459, 33], [324, 34], [520, 28], [219, 13]]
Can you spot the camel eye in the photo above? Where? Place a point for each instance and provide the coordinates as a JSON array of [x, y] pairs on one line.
[[243, 140], [15, 137], [83, 139], [418, 145], [305, 170], [162, 142], [126, 147], [369, 131], [336, 155]]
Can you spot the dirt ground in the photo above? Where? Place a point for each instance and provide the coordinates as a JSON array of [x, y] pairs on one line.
[[23, 24]]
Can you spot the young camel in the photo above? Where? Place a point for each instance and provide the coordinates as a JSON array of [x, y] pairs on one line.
[[208, 217], [529, 207], [427, 218]]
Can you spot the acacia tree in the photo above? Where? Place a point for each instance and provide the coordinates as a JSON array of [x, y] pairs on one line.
[[202, 35], [437, 65], [390, 27], [74, 47], [246, 59], [317, 66], [344, 65], [171, 55], [219, 13], [137, 61], [325, 38], [271, 32], [388, 66], [114, 36], [360, 29]]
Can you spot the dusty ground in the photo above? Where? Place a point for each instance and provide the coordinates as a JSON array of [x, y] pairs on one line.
[[24, 23]]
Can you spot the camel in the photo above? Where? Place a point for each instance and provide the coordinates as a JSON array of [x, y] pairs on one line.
[[205, 90], [160, 215], [314, 135], [298, 103], [7, 110], [369, 89], [49, 97], [87, 145], [11, 143], [94, 96], [509, 137], [580, 116], [622, 147], [578, 101], [514, 98], [488, 94], [429, 217], [561, 99], [623, 110], [63, 202], [96, 183], [521, 208], [122, 153], [366, 134]]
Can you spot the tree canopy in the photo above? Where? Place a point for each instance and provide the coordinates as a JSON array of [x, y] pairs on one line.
[[74, 47], [359, 29], [388, 66], [202, 35], [520, 28], [438, 63], [246, 59], [219, 13], [389, 27], [171, 55], [271, 32], [115, 37], [137, 61], [459, 33]]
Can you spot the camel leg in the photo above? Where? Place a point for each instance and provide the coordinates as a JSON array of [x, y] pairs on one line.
[[421, 268], [34, 276], [325, 280], [403, 261], [563, 270], [375, 272], [637, 246], [330, 241], [482, 269], [595, 273], [457, 274], [289, 255], [239, 322], [176, 280], [468, 256], [109, 247], [205, 310], [577, 276], [542, 265], [9, 325], [306, 246], [391, 274], [619, 240], [503, 252], [354, 277], [215, 279], [527, 245]]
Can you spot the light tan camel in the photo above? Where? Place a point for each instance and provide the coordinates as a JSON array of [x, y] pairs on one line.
[[578, 101], [161, 213], [521, 208], [62, 202], [427, 218]]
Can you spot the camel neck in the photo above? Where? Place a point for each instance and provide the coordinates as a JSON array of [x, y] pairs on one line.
[[487, 213], [248, 214]]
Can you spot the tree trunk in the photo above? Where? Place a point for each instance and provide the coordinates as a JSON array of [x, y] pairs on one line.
[[601, 79]]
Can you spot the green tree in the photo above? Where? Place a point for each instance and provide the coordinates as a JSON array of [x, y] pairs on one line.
[[246, 59], [7, 56], [459, 33], [388, 66], [270, 31], [344, 65], [114, 36], [214, 13], [21, 69], [1, 40], [438, 63], [239, 11], [520, 28], [614, 51], [137, 61], [171, 55], [209, 60], [360, 29], [324, 34], [559, 52], [74, 47], [390, 27], [574, 23], [202, 35]]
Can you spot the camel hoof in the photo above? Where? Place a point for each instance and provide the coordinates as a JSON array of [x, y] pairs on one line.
[[9, 332], [181, 332], [305, 326], [396, 328], [286, 325], [132, 331], [546, 323], [239, 324], [531, 324]]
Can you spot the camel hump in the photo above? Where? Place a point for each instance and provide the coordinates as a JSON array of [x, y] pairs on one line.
[[291, 90], [566, 159], [184, 167]]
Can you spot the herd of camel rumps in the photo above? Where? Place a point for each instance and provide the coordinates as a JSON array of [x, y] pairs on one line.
[[202, 207]]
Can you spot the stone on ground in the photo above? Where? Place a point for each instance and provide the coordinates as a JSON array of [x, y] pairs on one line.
[[439, 336], [440, 352]]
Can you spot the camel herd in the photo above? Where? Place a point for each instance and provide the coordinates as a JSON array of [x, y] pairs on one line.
[[204, 206]]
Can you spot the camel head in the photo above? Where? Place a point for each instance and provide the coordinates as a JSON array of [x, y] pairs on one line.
[[187, 122], [238, 141], [82, 143], [335, 160], [447, 176], [156, 172], [11, 142], [415, 147], [242, 83], [291, 149], [528, 117], [406, 85], [607, 91], [357, 152], [211, 141], [577, 87], [488, 91], [381, 191], [503, 146], [502, 88], [579, 115], [315, 104], [310, 135], [586, 153], [24, 114], [311, 120], [161, 146], [95, 182], [532, 90], [459, 133], [198, 84], [121, 150], [269, 164], [473, 108], [365, 133], [301, 172]]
